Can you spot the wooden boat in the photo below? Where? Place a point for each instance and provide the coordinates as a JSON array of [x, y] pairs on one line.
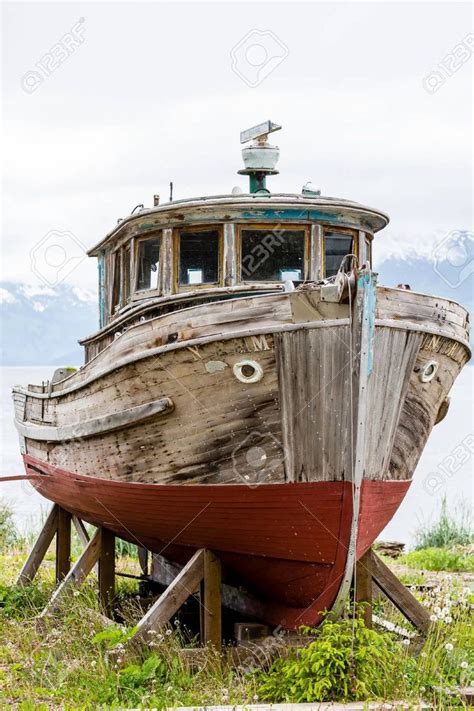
[[251, 389]]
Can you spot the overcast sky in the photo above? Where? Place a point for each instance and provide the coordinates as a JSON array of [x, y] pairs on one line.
[[104, 104]]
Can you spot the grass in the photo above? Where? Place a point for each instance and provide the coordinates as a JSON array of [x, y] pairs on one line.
[[447, 530], [447, 559], [74, 662]]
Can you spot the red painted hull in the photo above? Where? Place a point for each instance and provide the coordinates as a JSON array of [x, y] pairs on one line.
[[286, 542]]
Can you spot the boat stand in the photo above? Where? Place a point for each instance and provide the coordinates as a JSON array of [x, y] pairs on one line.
[[200, 577]]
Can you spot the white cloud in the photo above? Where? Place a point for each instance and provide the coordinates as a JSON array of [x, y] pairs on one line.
[[356, 120]]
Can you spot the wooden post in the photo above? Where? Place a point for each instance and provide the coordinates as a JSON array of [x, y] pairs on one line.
[[77, 574], [211, 602], [397, 593], [63, 544], [107, 571], [363, 586], [38, 552]]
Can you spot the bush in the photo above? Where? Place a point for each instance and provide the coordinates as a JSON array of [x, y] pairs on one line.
[[344, 662], [447, 531], [439, 559]]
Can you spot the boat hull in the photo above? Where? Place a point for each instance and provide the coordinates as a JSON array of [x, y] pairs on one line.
[[287, 543]]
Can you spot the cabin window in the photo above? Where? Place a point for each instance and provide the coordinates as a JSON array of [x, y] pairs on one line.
[[336, 246], [199, 257], [126, 273], [148, 263], [116, 280], [272, 255]]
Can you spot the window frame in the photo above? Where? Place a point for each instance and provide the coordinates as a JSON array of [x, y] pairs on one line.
[[341, 230], [269, 227], [177, 232], [138, 294]]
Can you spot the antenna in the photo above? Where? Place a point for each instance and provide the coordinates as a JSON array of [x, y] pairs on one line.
[[259, 131], [260, 158], [171, 191]]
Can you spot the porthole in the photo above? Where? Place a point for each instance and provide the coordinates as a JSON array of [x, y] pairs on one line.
[[248, 371], [428, 371]]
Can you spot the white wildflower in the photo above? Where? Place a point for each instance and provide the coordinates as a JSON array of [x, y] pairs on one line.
[[437, 610], [93, 663], [255, 697], [448, 647], [169, 632], [406, 642], [433, 618], [464, 665], [76, 593], [448, 619]]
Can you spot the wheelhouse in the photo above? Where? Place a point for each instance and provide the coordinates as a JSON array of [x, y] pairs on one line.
[[210, 250]]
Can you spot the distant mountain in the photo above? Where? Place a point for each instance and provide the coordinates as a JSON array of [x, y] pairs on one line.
[[429, 278], [40, 325]]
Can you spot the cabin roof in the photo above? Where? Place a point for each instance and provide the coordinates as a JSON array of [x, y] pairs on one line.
[[376, 219]]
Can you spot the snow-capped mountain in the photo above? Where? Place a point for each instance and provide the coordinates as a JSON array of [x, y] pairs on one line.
[[41, 325]]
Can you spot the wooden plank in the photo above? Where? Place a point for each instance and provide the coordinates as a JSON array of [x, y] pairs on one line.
[[184, 585], [400, 595], [77, 574], [212, 601], [38, 552], [107, 571], [98, 425], [63, 545], [363, 586]]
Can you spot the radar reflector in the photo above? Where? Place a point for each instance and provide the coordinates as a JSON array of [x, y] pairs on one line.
[[259, 131]]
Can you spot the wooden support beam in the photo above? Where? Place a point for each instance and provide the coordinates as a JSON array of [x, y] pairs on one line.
[[38, 552], [107, 571], [143, 560], [400, 595], [63, 544], [77, 574], [185, 584], [164, 572], [81, 530], [211, 602], [363, 586]]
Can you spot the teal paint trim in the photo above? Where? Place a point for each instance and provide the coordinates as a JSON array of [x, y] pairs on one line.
[[101, 277], [308, 215], [367, 281]]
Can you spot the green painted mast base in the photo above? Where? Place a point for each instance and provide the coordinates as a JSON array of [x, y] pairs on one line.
[[258, 179]]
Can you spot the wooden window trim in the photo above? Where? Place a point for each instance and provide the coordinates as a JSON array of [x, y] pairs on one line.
[[219, 228], [291, 227], [138, 294]]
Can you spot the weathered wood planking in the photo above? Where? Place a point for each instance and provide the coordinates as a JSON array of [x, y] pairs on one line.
[[299, 409]]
